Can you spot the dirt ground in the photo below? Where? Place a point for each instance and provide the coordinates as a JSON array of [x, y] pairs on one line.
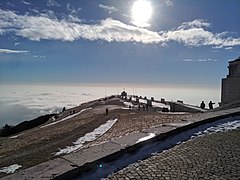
[[39, 144]]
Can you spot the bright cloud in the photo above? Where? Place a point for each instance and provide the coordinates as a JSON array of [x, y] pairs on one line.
[[168, 2], [193, 33], [10, 51], [16, 43], [199, 60], [52, 3], [110, 9], [25, 2], [197, 23], [36, 56], [72, 10]]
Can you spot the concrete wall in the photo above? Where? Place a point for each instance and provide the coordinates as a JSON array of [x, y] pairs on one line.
[[231, 84], [180, 107], [230, 90]]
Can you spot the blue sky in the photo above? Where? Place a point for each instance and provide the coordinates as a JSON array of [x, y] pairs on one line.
[[183, 42]]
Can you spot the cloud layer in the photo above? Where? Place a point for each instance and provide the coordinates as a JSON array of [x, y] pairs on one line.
[[193, 33], [168, 2], [10, 51], [110, 9], [52, 3], [199, 60]]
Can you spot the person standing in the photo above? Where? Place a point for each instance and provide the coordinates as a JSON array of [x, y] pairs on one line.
[[210, 104], [106, 111], [202, 105]]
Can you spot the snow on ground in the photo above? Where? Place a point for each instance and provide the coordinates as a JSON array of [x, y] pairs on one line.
[[88, 137], [10, 169], [155, 104], [66, 118], [128, 104], [13, 137], [134, 99], [180, 124], [143, 101], [124, 108], [161, 105], [219, 128], [150, 135], [194, 107], [177, 113]]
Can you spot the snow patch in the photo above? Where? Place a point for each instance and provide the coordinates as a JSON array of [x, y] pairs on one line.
[[180, 124], [194, 107], [124, 108], [134, 99], [13, 137], [66, 118], [219, 128], [53, 118], [10, 169], [128, 104], [150, 135], [144, 101], [177, 113], [88, 137], [160, 105]]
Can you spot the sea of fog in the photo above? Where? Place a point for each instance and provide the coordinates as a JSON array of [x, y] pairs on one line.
[[25, 102]]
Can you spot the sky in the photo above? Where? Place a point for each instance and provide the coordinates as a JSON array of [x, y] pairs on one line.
[[113, 41]]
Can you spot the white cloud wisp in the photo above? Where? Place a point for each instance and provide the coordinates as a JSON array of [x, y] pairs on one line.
[[10, 51], [168, 2], [52, 3], [36, 28], [199, 60], [110, 9]]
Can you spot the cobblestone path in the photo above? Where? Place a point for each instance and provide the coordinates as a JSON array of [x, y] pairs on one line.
[[215, 156]]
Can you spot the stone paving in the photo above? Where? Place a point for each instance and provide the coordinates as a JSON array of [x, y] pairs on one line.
[[215, 156]]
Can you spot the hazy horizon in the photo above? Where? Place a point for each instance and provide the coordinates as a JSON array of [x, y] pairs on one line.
[[25, 102]]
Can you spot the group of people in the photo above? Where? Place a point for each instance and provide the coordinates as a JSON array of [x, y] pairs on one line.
[[210, 105]]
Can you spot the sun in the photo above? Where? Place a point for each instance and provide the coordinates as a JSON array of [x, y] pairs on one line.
[[141, 13]]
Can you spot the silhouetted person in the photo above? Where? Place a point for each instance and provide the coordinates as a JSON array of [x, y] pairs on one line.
[[210, 104], [64, 109], [106, 111], [7, 126], [202, 105]]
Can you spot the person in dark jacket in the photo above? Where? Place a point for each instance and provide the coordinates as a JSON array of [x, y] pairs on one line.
[[202, 105], [210, 104]]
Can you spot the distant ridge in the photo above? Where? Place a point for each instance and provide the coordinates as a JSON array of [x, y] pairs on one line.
[[11, 130]]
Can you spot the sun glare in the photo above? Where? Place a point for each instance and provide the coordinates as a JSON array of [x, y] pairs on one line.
[[141, 13]]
